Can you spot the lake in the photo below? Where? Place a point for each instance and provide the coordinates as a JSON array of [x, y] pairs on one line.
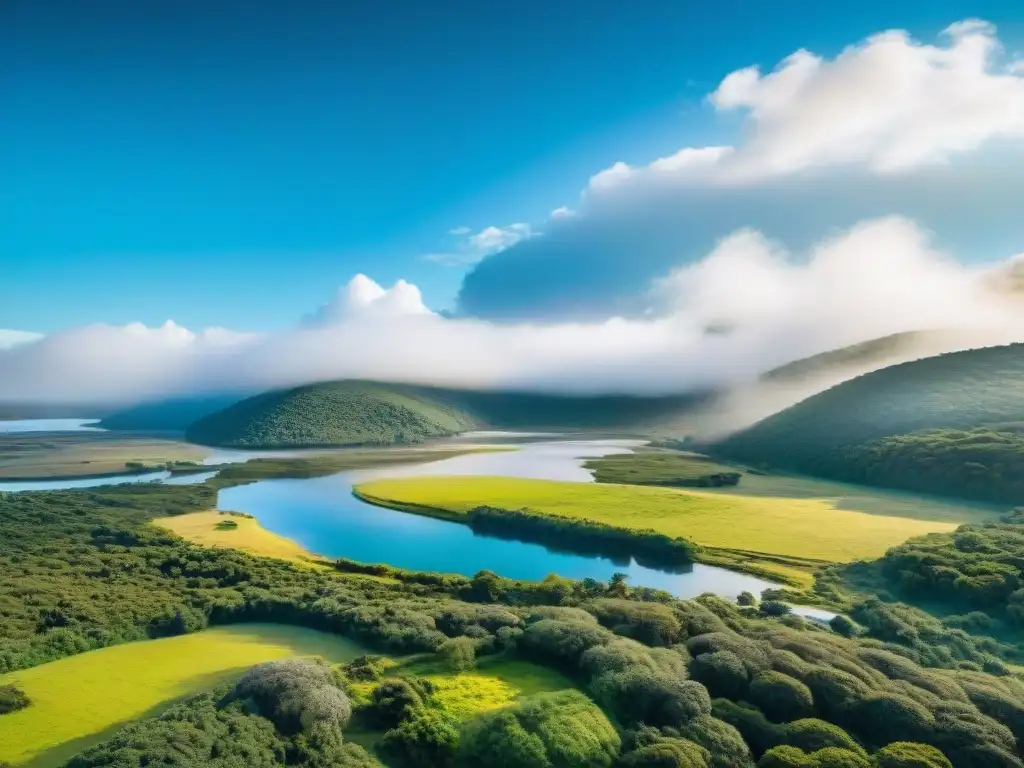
[[323, 516]]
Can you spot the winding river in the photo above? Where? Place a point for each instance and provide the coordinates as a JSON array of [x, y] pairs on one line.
[[323, 516]]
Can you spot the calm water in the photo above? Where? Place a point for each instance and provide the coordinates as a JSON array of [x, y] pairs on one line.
[[323, 516], [48, 425], [94, 482]]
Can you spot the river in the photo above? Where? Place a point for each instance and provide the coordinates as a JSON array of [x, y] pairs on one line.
[[323, 516]]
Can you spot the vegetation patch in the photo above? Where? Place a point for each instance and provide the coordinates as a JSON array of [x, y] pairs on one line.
[[212, 529], [669, 468], [79, 700], [802, 528], [335, 413]]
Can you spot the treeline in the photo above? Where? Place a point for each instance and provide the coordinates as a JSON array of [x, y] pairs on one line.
[[975, 568], [575, 535], [669, 468]]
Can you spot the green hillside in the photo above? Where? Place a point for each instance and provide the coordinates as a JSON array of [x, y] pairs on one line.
[[173, 415], [333, 413], [946, 424]]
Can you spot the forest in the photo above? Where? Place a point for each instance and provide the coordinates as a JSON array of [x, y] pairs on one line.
[[661, 681]]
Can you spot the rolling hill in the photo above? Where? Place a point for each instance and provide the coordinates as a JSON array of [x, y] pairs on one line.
[[174, 415], [333, 413], [946, 424]]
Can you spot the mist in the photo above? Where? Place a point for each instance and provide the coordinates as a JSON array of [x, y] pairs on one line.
[[748, 306]]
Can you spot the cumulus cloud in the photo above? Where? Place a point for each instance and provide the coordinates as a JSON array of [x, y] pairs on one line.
[[891, 125], [362, 297], [879, 277], [472, 247], [10, 338]]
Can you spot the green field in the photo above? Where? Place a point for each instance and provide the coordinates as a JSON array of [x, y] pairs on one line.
[[80, 700], [815, 528]]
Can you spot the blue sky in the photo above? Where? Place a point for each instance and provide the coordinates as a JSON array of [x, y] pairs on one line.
[[233, 163]]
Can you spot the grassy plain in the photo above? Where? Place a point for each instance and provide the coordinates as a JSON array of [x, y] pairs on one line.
[[81, 454], [80, 700], [652, 466], [202, 528], [808, 527]]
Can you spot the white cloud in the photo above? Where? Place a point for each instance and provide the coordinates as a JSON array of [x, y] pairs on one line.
[[890, 125], [9, 338], [563, 212], [879, 277], [474, 247], [362, 297]]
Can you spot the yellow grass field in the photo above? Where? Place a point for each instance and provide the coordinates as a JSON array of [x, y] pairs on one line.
[[201, 528], [794, 527], [80, 700], [79, 454]]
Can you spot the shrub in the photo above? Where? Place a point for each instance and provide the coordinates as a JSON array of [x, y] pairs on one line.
[[753, 654], [650, 623], [560, 730], [622, 653], [295, 694], [722, 672], [836, 757], [842, 625], [759, 733], [392, 701], [724, 743], [458, 654], [887, 717], [906, 754], [561, 643], [666, 752], [785, 757], [835, 693], [428, 738], [12, 699], [365, 668], [636, 695], [773, 608], [781, 697], [811, 734]]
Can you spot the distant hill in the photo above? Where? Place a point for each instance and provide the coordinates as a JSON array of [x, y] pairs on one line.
[[334, 413], [174, 415], [361, 412], [877, 353], [944, 424]]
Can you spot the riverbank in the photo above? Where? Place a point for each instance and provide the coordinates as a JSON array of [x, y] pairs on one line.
[[208, 529], [780, 538]]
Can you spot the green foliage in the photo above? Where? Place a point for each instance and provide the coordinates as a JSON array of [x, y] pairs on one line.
[[674, 469], [166, 415], [724, 743], [722, 673], [930, 425], [12, 699], [366, 668], [782, 698], [335, 413], [650, 623], [221, 732], [296, 695], [393, 701], [428, 738], [649, 748], [458, 654], [905, 754], [842, 625], [551, 730], [581, 535]]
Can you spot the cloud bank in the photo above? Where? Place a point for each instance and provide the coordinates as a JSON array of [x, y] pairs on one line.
[[747, 306], [890, 126], [9, 338]]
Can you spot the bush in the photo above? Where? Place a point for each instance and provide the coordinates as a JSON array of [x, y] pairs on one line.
[[811, 734], [773, 608], [428, 738], [366, 668], [560, 730], [724, 743], [295, 694], [666, 752], [722, 672], [781, 697], [842, 625], [636, 695], [785, 757], [12, 699], [759, 733], [650, 623], [393, 701], [888, 717], [835, 693], [561, 643], [906, 754], [458, 654]]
